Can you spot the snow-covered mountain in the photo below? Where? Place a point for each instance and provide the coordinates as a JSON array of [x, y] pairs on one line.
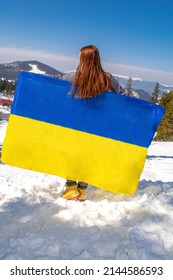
[[142, 89], [10, 71], [145, 86]]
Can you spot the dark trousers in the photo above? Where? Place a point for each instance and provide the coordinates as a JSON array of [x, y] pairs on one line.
[[81, 185]]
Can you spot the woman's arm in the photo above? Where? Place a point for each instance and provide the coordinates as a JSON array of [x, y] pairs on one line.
[[116, 87], [66, 76]]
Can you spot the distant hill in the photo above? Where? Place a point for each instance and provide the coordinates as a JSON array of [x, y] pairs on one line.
[[10, 71], [142, 94], [142, 89], [139, 84]]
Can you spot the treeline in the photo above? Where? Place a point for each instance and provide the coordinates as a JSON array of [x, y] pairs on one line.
[[165, 129], [8, 87]]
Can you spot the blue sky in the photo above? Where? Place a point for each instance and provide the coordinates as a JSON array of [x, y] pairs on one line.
[[134, 37]]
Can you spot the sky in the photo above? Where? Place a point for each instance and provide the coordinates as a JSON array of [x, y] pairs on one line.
[[134, 38]]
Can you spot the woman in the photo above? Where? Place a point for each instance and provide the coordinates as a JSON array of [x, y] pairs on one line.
[[89, 80]]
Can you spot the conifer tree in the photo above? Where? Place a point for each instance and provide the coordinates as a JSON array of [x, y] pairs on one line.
[[155, 94], [128, 87], [165, 129], [7, 86]]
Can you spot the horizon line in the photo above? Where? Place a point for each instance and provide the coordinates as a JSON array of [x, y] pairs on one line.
[[62, 62]]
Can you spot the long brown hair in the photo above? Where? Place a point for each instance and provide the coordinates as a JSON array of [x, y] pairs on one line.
[[90, 79]]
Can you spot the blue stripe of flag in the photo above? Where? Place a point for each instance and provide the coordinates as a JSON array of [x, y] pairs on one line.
[[109, 115]]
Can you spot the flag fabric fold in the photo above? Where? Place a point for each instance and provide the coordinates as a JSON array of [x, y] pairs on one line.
[[102, 140]]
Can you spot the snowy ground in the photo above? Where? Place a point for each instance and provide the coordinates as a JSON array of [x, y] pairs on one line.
[[35, 223]]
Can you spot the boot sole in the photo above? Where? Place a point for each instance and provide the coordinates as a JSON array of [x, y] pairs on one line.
[[81, 200], [72, 198]]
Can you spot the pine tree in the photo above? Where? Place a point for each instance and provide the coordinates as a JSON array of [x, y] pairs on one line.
[[7, 86], [155, 94], [165, 129], [128, 87]]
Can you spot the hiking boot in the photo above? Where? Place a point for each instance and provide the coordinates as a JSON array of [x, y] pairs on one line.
[[70, 193], [82, 194]]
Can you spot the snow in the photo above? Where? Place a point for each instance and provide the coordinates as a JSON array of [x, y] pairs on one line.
[[36, 70], [36, 223], [4, 111], [166, 85], [127, 77]]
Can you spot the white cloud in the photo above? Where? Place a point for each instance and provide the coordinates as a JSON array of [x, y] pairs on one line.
[[60, 62], [66, 63]]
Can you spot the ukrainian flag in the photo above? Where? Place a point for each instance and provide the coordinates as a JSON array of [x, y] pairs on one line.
[[101, 140]]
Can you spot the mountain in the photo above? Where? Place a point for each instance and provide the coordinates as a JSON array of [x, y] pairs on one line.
[[10, 71], [142, 89], [142, 94], [146, 86]]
